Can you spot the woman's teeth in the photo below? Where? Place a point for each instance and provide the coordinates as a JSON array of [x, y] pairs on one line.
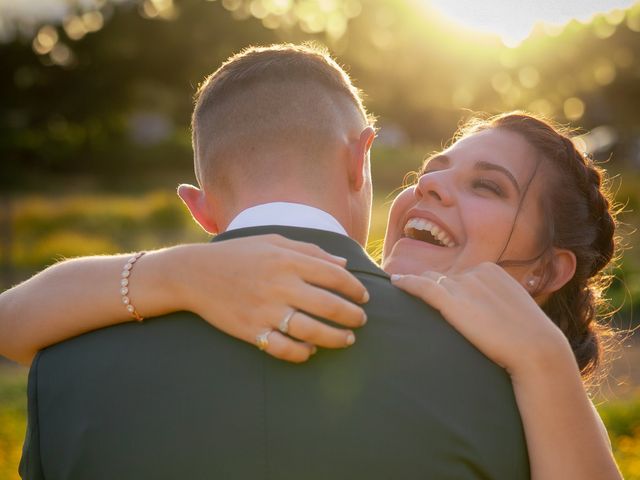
[[415, 225]]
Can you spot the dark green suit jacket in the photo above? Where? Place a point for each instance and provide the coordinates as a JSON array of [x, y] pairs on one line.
[[173, 398]]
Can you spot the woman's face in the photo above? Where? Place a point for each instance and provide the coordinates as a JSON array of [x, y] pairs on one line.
[[463, 208]]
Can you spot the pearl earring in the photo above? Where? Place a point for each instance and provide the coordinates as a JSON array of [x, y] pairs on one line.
[[531, 282]]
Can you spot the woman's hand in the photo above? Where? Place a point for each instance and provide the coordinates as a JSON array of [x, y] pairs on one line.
[[247, 286], [492, 310]]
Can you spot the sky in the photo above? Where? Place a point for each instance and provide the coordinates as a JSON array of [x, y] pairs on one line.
[[35, 12], [513, 20], [40, 10]]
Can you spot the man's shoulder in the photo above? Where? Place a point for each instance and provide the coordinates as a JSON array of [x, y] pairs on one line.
[[389, 304], [170, 334]]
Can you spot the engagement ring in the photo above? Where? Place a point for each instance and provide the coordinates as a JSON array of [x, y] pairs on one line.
[[284, 324], [262, 340]]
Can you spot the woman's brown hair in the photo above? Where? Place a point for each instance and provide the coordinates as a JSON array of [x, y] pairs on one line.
[[580, 217]]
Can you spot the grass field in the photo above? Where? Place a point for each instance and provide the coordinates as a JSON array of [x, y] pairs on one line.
[[13, 410]]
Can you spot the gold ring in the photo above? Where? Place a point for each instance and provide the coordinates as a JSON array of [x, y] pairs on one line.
[[440, 279], [262, 340], [284, 324]]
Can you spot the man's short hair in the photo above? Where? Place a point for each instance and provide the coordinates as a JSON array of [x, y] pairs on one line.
[[290, 99]]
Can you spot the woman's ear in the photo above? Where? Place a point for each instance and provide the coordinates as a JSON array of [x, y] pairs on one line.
[[197, 204], [563, 265]]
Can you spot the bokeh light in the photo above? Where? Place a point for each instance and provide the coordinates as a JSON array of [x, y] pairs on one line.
[[45, 40], [529, 77], [573, 108], [513, 22]]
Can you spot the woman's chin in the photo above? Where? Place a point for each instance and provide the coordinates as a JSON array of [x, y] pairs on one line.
[[411, 257], [403, 266]]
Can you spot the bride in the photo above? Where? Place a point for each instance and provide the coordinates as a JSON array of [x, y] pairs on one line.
[[510, 249]]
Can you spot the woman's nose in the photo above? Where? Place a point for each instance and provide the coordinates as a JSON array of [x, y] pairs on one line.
[[433, 186]]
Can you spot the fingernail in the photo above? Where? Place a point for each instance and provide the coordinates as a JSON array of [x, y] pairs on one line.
[[340, 259], [395, 277], [351, 339], [364, 317], [314, 350], [365, 297]]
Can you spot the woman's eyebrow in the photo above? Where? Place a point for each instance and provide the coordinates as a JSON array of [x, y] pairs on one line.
[[483, 165]]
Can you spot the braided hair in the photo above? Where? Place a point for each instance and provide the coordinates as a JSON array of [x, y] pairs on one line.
[[579, 217]]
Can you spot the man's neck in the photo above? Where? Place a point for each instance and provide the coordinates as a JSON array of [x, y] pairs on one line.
[[286, 214], [333, 201]]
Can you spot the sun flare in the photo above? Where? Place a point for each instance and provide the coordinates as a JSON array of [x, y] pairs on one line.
[[514, 21]]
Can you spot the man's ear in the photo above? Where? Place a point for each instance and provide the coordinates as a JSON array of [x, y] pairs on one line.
[[196, 202], [564, 267], [359, 169]]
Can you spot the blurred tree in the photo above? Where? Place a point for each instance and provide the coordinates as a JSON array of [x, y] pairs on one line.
[[105, 98], [81, 118]]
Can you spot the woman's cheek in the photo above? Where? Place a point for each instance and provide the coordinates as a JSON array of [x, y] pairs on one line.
[[400, 206], [486, 240]]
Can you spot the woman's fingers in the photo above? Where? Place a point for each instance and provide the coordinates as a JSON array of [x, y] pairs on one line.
[[285, 348], [430, 287], [304, 333], [338, 279], [311, 331], [311, 264], [329, 306]]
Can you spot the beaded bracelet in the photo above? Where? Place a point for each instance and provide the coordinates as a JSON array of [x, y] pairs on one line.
[[124, 286]]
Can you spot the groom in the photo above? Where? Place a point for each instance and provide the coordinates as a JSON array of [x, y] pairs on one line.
[[281, 143]]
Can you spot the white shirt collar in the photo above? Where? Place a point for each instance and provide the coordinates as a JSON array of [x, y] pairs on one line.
[[286, 214]]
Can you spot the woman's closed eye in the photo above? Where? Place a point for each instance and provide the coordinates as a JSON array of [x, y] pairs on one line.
[[486, 184]]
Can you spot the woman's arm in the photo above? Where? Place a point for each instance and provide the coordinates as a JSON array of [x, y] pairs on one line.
[[563, 430], [241, 286], [499, 317]]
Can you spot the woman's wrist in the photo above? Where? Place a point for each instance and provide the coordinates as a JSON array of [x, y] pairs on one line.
[[544, 358], [159, 284], [180, 267]]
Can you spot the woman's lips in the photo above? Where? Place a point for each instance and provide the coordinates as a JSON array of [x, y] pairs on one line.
[[427, 227], [427, 231]]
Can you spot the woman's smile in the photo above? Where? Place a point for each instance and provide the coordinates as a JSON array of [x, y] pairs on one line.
[[427, 227]]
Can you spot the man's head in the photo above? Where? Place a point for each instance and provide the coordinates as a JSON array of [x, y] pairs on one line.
[[281, 123]]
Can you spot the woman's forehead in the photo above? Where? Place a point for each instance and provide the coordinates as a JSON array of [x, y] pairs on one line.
[[505, 148]]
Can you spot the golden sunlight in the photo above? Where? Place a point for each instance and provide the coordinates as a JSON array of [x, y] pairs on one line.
[[514, 21]]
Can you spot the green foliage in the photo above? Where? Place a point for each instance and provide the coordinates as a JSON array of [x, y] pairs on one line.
[[420, 74], [622, 419], [13, 420], [48, 229], [625, 289]]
